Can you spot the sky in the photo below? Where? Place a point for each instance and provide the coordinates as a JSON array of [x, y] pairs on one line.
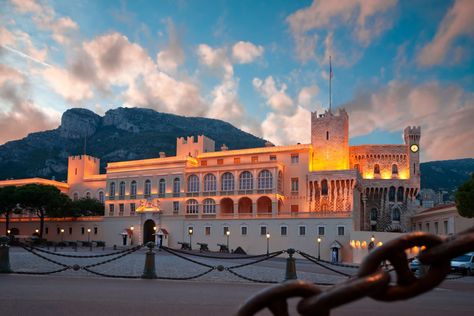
[[260, 65]]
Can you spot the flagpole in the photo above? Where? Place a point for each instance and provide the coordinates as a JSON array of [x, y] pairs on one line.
[[330, 79]]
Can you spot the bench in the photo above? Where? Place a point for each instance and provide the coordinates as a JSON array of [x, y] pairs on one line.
[[184, 245], [223, 248], [203, 247]]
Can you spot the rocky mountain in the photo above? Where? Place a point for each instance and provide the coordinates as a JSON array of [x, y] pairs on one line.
[[446, 175], [121, 134]]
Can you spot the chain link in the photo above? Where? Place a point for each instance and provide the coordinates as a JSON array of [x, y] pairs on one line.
[[371, 280]]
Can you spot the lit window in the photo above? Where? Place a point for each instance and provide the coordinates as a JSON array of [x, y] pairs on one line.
[[147, 192], [112, 190], [209, 206], [203, 163], [254, 159], [220, 161], [193, 183], [265, 180], [162, 188], [295, 158], [176, 186], [273, 157], [394, 169], [294, 208], [133, 189], [236, 160], [377, 169], [227, 182], [246, 181], [210, 183], [192, 207]]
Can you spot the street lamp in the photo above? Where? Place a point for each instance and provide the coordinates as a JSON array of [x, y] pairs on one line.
[[268, 244], [37, 231], [319, 248], [8, 232], [190, 233], [131, 235], [227, 233], [89, 238], [62, 236], [371, 243]]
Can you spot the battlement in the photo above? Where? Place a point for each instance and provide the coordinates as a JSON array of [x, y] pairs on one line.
[[341, 112], [80, 167], [188, 146], [412, 134], [85, 157]]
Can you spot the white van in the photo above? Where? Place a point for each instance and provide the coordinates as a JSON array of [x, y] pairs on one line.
[[463, 264]]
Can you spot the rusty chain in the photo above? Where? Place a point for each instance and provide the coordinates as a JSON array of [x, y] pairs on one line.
[[371, 280]]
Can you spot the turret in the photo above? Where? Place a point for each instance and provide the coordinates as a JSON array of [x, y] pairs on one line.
[[80, 167], [412, 137]]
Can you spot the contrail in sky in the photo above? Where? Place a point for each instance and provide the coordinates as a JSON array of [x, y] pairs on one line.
[[26, 56]]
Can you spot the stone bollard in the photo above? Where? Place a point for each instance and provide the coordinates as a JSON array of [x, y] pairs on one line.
[[4, 255], [290, 265], [149, 271]]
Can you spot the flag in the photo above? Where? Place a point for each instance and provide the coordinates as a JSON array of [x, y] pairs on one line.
[[330, 68]]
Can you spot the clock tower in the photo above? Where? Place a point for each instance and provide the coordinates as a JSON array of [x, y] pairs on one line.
[[412, 136]]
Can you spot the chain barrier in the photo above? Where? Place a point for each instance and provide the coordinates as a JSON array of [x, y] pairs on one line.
[[371, 280], [316, 261], [202, 255]]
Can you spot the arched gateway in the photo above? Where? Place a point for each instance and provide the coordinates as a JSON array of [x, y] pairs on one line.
[[149, 231]]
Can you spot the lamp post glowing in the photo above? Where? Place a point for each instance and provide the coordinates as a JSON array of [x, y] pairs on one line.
[[371, 243], [62, 235], [37, 231], [190, 233], [319, 248], [131, 235], [268, 244], [89, 238], [227, 233]]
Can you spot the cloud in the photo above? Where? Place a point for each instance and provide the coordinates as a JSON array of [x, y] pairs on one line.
[[277, 98], [20, 43], [67, 85], [306, 96], [6, 37], [445, 114], [363, 17], [216, 59], [170, 58], [456, 23], [283, 129], [225, 104], [246, 52], [21, 111]]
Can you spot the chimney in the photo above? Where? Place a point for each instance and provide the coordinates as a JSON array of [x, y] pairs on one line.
[[162, 154]]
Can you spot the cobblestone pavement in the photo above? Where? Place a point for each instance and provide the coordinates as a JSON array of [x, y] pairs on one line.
[[168, 265]]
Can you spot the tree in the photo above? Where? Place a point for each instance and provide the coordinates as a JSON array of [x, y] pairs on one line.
[[86, 207], [8, 202], [465, 198], [44, 200]]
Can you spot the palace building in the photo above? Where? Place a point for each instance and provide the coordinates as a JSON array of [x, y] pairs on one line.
[[297, 193]]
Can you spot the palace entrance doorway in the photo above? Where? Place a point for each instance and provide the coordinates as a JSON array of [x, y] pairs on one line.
[[149, 231]]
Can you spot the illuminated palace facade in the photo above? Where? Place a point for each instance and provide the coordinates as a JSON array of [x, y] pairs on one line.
[[295, 193]]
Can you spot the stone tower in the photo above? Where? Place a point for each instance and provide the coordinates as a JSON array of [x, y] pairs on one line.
[[80, 167], [330, 141], [412, 139]]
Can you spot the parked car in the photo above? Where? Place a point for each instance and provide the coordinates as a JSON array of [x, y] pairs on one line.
[[463, 264]]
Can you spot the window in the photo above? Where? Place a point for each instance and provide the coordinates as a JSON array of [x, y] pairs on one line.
[[121, 190], [220, 161], [176, 186], [357, 167], [225, 230], [373, 214], [419, 227], [301, 230], [46, 230], [227, 180], [324, 187], [396, 214], [193, 184], [445, 223], [246, 181], [175, 207], [280, 182], [133, 208], [101, 197], [428, 227], [112, 190], [210, 183], [436, 228], [294, 185], [391, 194], [88, 195], [70, 230], [254, 159], [207, 230], [340, 230], [265, 179], [76, 196], [75, 171], [376, 169], [321, 230], [121, 209], [83, 230], [192, 207], [394, 169], [147, 191], [96, 230], [209, 206], [162, 188], [295, 158], [243, 230], [327, 135], [294, 208], [263, 230], [400, 194], [236, 160], [111, 209], [58, 230], [273, 157], [283, 230], [133, 189], [203, 163]]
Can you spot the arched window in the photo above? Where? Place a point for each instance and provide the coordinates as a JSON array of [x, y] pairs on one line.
[[324, 187], [88, 195], [112, 190], [400, 194], [133, 189], [246, 181], [357, 167], [265, 179], [376, 169], [227, 182], [76, 196], [193, 183], [373, 214], [162, 188], [280, 181], [396, 214], [176, 186], [394, 169], [210, 183], [192, 206], [122, 189], [147, 191], [391, 194], [101, 197], [209, 206]]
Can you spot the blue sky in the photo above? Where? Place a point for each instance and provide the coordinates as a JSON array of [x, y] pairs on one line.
[[261, 65]]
